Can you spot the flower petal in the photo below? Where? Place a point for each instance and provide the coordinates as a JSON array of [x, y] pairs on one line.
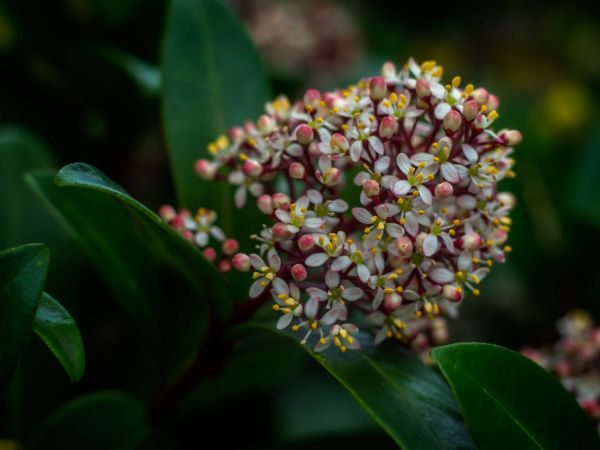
[[441, 275], [362, 215], [316, 259]]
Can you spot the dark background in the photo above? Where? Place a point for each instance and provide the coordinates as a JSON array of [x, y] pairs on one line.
[[84, 76]]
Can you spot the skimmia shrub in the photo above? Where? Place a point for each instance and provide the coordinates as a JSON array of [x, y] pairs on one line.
[[425, 228]]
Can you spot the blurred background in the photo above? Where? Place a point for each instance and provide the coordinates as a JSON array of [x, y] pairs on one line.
[[83, 75]]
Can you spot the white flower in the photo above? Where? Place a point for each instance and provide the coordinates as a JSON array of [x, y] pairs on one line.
[[264, 274]]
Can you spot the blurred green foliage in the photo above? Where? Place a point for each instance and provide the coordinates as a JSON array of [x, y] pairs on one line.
[[83, 76]]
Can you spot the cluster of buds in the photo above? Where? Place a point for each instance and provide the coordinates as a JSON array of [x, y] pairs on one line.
[[575, 360], [429, 222], [202, 231]]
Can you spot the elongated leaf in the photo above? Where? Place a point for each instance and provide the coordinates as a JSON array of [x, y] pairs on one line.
[[20, 219], [103, 420], [510, 402], [161, 281], [213, 80], [408, 400], [22, 277], [55, 326]]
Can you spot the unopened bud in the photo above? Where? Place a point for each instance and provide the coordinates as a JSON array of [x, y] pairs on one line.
[[331, 176], [230, 246], [452, 293], [423, 89], [388, 70], [265, 124], [304, 134], [298, 272], [297, 170], [444, 190], [339, 141], [167, 213], [205, 169], [312, 98], [452, 121], [252, 168], [224, 266], [264, 203], [480, 95], [506, 199], [493, 103], [387, 127], [471, 241], [306, 242], [404, 246], [280, 231], [512, 137], [391, 302], [377, 88], [210, 254], [370, 188], [281, 201], [241, 262], [470, 110]]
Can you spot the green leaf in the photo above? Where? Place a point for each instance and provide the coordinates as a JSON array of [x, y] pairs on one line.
[[20, 220], [509, 401], [22, 278], [162, 282], [408, 400], [55, 326], [213, 79], [103, 420], [583, 197]]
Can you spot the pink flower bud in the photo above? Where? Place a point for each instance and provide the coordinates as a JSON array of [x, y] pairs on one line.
[[280, 231], [304, 134], [377, 88], [391, 302], [452, 121], [224, 266], [265, 124], [471, 241], [264, 202], [388, 70], [167, 213], [339, 141], [370, 188], [422, 88], [296, 170], [187, 235], [480, 95], [312, 98], [493, 102], [241, 262], [298, 272], [470, 110], [452, 293], [444, 190], [404, 246], [249, 128], [498, 236], [331, 176], [512, 137], [205, 169], [306, 242], [387, 127], [210, 254], [252, 168], [230, 246], [281, 201], [236, 133]]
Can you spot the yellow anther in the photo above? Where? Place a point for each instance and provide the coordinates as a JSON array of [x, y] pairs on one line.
[[469, 88], [483, 108], [290, 301], [373, 219], [343, 348], [380, 225], [243, 157], [456, 222], [430, 177], [295, 327], [493, 115], [344, 127], [403, 98], [415, 193], [399, 289], [475, 260], [475, 278], [282, 296], [263, 283], [489, 262], [402, 221], [418, 313], [421, 211], [276, 307], [428, 307], [374, 250], [392, 276], [421, 165], [350, 339], [435, 145], [399, 271], [389, 334], [459, 290], [322, 340], [400, 201], [320, 120], [371, 118], [443, 210], [476, 292], [212, 148], [436, 159], [459, 274], [251, 142], [436, 309], [489, 243], [507, 248], [255, 275], [337, 341], [343, 333], [393, 97], [456, 81], [448, 88], [379, 237], [388, 291], [314, 325], [386, 103], [269, 276]]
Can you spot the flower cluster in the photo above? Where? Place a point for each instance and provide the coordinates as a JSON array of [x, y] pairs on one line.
[[426, 228], [575, 359], [201, 230]]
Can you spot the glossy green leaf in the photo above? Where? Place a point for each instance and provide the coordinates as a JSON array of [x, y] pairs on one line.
[[100, 421], [22, 277], [408, 400], [509, 401], [213, 80], [163, 283], [55, 326], [20, 151]]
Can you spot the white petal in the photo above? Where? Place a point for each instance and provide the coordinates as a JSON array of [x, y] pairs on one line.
[[411, 225], [341, 263], [362, 215], [448, 242], [313, 222], [274, 262], [338, 206], [394, 230], [353, 293], [430, 245], [401, 187], [470, 153], [441, 110], [316, 259], [356, 150], [332, 279], [240, 197], [217, 233], [284, 321], [382, 164], [257, 262], [425, 194], [280, 286], [363, 273], [466, 201], [465, 262], [377, 301], [201, 239], [380, 336], [409, 294], [314, 196], [330, 317], [282, 215], [437, 90], [403, 162], [256, 288], [417, 158], [441, 275], [376, 145], [317, 293], [449, 172], [311, 308]]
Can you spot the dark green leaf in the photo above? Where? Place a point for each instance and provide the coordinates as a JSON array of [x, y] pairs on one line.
[[409, 401], [55, 326], [100, 421], [161, 281], [584, 193], [213, 80], [20, 219], [22, 277], [510, 402]]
